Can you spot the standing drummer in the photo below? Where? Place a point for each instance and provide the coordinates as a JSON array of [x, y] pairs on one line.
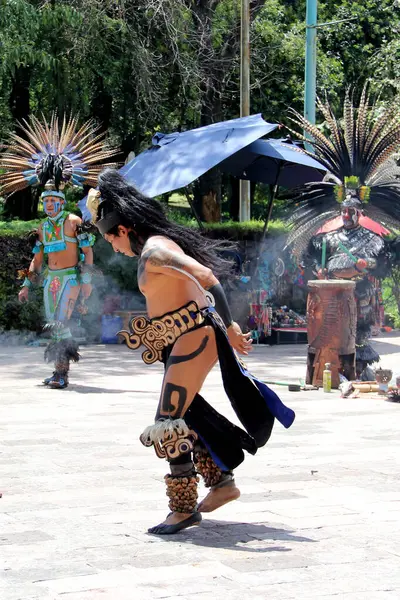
[[355, 253], [358, 151]]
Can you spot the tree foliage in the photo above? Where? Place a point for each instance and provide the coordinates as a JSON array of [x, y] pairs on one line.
[[138, 66]]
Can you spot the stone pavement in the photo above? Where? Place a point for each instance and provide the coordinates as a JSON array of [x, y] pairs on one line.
[[319, 515]]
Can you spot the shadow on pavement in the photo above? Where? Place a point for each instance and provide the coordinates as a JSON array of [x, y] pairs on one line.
[[384, 348], [87, 389], [235, 536]]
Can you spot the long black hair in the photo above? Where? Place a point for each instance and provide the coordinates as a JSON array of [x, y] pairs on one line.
[[146, 217]]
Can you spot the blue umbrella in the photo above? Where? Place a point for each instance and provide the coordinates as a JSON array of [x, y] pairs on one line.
[[276, 162], [177, 159]]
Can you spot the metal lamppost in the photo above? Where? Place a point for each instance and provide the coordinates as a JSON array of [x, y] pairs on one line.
[[311, 61], [310, 94], [244, 189]]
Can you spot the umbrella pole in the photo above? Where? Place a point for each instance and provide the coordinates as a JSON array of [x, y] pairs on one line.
[[274, 191], [267, 218], [269, 211], [194, 211]]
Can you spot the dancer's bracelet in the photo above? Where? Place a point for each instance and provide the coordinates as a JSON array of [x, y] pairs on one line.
[[221, 304], [27, 283], [86, 278]]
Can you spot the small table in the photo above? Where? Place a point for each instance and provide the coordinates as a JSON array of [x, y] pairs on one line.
[[290, 335]]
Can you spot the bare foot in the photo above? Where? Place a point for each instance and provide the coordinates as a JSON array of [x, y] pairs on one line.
[[217, 497], [175, 517], [176, 521]]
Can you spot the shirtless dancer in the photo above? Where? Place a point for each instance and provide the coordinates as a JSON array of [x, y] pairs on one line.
[[189, 328]]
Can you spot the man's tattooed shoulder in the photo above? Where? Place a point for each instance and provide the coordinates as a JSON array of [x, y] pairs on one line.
[[158, 256]]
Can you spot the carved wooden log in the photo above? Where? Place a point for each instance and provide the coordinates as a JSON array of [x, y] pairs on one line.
[[332, 323]]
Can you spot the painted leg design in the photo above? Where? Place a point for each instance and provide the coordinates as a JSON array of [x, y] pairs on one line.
[[191, 359]]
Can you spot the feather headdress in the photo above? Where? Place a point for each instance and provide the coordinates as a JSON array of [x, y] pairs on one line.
[[359, 154], [54, 155]]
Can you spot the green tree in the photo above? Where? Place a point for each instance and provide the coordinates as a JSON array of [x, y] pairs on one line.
[[140, 66]]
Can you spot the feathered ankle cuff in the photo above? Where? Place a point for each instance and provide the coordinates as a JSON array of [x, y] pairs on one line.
[[170, 438]]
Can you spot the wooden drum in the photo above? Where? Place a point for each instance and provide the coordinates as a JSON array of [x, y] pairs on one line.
[[332, 323]]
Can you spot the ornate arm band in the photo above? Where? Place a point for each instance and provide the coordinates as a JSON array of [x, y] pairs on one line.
[[86, 240], [86, 273], [37, 247], [29, 277], [371, 263]]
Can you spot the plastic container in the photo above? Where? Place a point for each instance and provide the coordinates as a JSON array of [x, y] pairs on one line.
[[110, 325], [327, 378], [383, 376]]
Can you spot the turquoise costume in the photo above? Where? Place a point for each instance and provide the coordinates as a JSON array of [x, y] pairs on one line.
[[53, 155], [57, 284], [59, 295]]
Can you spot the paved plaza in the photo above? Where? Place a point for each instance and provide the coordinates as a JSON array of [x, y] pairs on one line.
[[319, 515]]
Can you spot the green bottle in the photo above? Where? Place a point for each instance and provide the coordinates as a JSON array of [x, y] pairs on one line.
[[327, 378]]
